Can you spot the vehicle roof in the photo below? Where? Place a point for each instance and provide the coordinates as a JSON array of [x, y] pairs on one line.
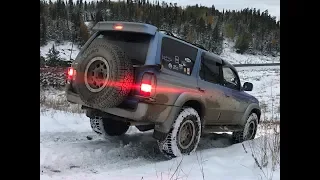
[[217, 58], [127, 27], [152, 30]]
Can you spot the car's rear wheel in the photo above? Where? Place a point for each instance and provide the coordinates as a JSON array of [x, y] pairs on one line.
[[184, 135], [249, 130], [108, 127]]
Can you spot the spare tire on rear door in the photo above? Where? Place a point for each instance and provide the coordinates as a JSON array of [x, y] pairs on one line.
[[104, 75]]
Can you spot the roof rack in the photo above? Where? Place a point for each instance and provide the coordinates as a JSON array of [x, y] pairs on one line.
[[171, 34]]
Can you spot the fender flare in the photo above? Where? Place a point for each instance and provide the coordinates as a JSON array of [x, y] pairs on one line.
[[181, 100], [248, 112]]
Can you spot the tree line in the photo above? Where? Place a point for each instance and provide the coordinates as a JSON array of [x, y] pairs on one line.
[[251, 30]]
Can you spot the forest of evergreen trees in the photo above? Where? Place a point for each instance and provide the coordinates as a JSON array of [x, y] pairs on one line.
[[252, 31]]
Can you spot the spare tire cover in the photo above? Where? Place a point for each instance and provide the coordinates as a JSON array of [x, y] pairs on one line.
[[104, 75]]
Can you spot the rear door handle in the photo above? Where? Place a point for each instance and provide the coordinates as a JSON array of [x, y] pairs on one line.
[[200, 89]]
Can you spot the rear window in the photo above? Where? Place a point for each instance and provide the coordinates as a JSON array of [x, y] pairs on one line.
[[178, 56], [135, 45]]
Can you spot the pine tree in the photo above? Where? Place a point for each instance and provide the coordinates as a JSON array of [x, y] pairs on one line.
[[84, 34], [217, 39], [43, 31], [64, 21], [242, 43], [53, 57]]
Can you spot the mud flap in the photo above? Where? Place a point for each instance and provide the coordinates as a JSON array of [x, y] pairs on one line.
[[159, 135], [167, 124]]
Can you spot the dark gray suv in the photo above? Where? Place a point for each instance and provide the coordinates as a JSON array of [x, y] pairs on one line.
[[132, 74]]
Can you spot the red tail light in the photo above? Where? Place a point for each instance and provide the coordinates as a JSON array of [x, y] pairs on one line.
[[146, 88], [148, 85], [71, 73]]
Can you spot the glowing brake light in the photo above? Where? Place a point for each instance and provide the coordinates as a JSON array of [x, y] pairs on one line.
[[148, 85], [71, 74], [118, 27], [70, 71], [146, 88]]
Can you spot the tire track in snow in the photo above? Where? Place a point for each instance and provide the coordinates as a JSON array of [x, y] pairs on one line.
[[72, 152], [111, 153]]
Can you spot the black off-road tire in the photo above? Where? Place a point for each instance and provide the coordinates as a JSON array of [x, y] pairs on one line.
[[108, 127], [120, 75], [170, 146], [246, 133]]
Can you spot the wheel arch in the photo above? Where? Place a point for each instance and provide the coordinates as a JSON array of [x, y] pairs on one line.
[[252, 108], [197, 105], [258, 112], [185, 99]]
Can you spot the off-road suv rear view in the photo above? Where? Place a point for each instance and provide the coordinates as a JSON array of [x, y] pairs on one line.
[[132, 74]]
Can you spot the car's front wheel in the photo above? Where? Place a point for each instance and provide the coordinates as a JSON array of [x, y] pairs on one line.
[[249, 130], [108, 127], [184, 135]]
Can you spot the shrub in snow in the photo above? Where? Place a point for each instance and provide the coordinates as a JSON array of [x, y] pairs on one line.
[[53, 57], [52, 76]]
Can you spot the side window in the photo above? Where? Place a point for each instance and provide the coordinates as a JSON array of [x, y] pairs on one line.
[[209, 71], [230, 79], [178, 56]]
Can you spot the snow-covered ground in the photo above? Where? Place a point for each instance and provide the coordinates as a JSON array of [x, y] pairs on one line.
[[266, 88], [228, 54], [66, 153], [63, 48]]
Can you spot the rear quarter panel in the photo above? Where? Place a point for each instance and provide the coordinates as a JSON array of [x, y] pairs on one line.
[[173, 90], [172, 84]]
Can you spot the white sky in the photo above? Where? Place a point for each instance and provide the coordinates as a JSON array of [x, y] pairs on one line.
[[273, 6]]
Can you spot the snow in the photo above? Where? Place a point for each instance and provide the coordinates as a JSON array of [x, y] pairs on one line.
[[228, 53], [66, 153], [64, 48], [266, 87], [232, 57], [87, 23], [63, 122]]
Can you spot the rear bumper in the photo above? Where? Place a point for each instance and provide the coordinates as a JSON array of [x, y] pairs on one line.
[[74, 98], [138, 114], [146, 112]]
